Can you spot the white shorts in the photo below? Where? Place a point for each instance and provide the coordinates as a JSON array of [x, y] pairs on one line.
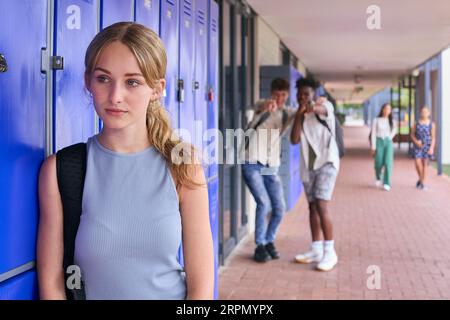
[[321, 183]]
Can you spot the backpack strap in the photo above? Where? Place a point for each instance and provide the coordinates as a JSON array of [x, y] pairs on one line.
[[71, 172], [323, 122], [261, 120], [285, 118]]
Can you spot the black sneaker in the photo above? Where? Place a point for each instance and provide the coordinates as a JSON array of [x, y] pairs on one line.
[[270, 247], [261, 254], [418, 184]]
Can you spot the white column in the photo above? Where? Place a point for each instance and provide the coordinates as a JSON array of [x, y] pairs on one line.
[[445, 99]]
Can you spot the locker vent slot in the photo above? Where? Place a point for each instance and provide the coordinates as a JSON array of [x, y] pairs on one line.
[[187, 7], [201, 17], [214, 25]]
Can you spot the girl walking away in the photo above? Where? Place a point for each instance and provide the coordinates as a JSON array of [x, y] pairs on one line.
[[139, 201], [423, 137], [383, 131]]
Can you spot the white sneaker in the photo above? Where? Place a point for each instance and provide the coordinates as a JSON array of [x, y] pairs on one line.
[[387, 187], [309, 257], [329, 261], [378, 183]]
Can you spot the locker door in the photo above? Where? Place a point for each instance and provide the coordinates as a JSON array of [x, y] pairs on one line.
[[186, 67], [294, 76], [75, 26], [201, 76], [213, 195], [296, 183], [169, 33], [113, 11], [212, 117], [21, 287], [22, 131], [213, 78], [147, 13]]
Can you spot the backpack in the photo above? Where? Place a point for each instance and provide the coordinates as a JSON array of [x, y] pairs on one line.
[[338, 134], [71, 172]]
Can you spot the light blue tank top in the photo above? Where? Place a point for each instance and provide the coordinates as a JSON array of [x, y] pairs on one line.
[[130, 228]]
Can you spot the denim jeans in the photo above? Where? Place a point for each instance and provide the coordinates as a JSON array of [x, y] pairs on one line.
[[267, 190]]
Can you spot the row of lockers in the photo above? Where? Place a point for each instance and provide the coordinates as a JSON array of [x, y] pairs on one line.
[[43, 105]]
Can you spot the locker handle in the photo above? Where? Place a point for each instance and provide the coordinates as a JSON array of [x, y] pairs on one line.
[[180, 90], [196, 85], [3, 64]]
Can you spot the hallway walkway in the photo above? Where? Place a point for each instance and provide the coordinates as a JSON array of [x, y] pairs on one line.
[[404, 232]]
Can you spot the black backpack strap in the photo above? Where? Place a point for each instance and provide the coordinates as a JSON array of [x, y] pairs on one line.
[[337, 134], [323, 122], [261, 120], [71, 172], [285, 117]]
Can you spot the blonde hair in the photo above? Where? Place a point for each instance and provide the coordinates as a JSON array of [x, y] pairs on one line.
[[151, 56]]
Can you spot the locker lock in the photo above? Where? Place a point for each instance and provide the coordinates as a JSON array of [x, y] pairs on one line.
[[211, 94], [180, 90], [3, 64], [57, 62], [196, 85]]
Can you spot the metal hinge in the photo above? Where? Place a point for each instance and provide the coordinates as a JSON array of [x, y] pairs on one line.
[[3, 64], [49, 62]]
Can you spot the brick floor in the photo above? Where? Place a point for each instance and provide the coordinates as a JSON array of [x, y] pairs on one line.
[[404, 232]]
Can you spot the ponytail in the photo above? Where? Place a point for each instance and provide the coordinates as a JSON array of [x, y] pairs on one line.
[[180, 156]]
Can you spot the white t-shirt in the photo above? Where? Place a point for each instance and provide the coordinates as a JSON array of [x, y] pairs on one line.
[[265, 143], [321, 140], [382, 129]]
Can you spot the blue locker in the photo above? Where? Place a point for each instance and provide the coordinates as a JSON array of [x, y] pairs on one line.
[[169, 33], [295, 189], [213, 195], [201, 75], [186, 67], [294, 149], [212, 119], [213, 81], [294, 155], [294, 76], [113, 11], [75, 26], [21, 287], [22, 129], [147, 14]]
